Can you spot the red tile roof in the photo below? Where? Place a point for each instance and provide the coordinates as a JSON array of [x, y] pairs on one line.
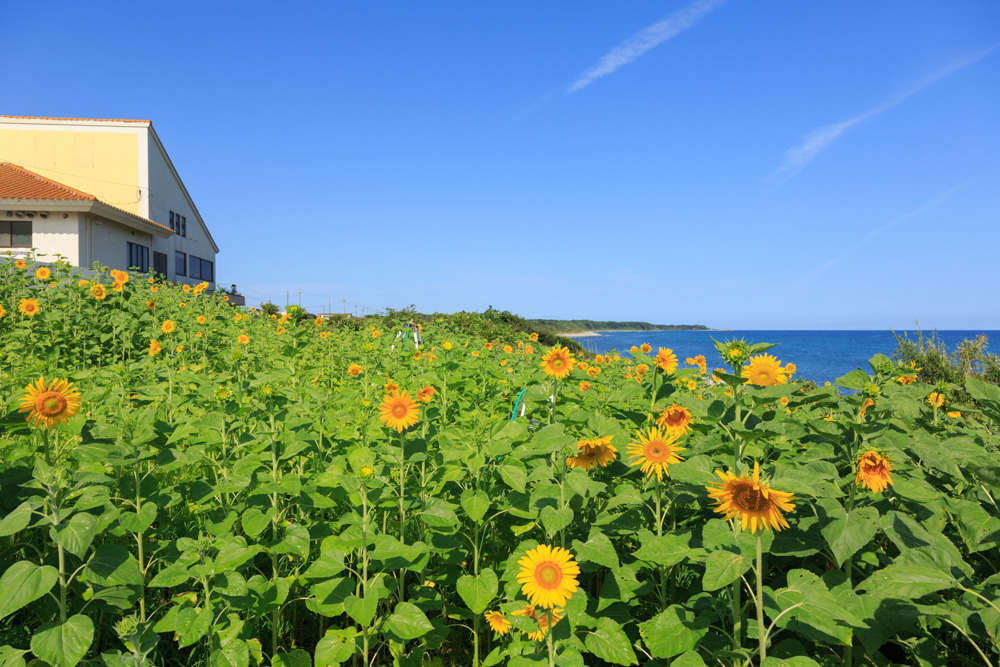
[[18, 183], [112, 120]]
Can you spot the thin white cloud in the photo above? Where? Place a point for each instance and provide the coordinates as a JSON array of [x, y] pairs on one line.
[[643, 41], [797, 157], [870, 236]]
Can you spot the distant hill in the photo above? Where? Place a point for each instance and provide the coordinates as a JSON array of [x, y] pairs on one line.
[[574, 326]]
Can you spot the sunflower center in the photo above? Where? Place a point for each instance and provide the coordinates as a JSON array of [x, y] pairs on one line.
[[399, 411], [750, 499], [51, 404], [557, 363], [656, 452], [548, 575]]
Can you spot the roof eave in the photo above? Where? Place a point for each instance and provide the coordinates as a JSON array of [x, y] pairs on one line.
[[92, 206]]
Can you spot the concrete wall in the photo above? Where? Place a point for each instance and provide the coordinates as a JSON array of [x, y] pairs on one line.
[[102, 162], [107, 242]]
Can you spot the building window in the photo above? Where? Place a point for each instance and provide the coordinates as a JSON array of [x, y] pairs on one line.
[[160, 263], [15, 233], [138, 257], [180, 263], [179, 223], [202, 269]]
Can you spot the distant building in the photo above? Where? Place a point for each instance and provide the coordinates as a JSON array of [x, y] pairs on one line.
[[99, 190]]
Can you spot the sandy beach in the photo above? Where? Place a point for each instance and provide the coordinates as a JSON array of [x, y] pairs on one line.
[[581, 334]]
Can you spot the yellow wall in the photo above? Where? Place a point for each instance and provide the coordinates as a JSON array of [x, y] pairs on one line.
[[103, 164]]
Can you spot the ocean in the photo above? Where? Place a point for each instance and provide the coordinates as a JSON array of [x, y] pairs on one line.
[[820, 356]]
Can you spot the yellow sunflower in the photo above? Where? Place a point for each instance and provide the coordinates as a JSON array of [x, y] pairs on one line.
[[874, 471], [50, 404], [675, 419], [168, 326], [754, 503], [936, 399], [98, 291], [507, 349], [548, 576], [3, 312], [243, 339], [764, 371], [543, 620], [28, 307], [533, 337], [201, 319], [646, 348], [354, 369], [43, 273], [666, 360], [20, 263], [497, 622], [584, 386], [426, 395], [558, 362], [592, 453], [399, 411], [279, 330], [154, 348], [656, 451], [185, 288]]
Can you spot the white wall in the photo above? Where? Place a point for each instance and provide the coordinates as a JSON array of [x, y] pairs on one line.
[[106, 242], [167, 194]]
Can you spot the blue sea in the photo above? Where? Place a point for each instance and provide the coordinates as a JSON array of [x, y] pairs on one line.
[[820, 356]]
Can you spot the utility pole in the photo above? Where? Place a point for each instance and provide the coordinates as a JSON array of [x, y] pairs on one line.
[[300, 298], [329, 304], [355, 309], [345, 305], [286, 299]]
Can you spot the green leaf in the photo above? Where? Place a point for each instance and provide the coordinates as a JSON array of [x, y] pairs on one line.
[[394, 555], [336, 647], [554, 519], [609, 642], [598, 549], [329, 564], [141, 521], [25, 582], [478, 591], [192, 625], [63, 644], [297, 658], [296, 541], [114, 574], [11, 657], [722, 568], [689, 659], [17, 520], [812, 610], [906, 580], [673, 631], [846, 533], [362, 610], [856, 380], [408, 622], [76, 534], [513, 476], [795, 661], [476, 504], [254, 521], [439, 514], [667, 550]]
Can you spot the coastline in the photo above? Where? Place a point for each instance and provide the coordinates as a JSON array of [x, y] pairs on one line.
[[596, 334]]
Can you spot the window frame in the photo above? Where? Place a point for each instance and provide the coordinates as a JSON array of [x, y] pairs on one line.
[[143, 256], [10, 233]]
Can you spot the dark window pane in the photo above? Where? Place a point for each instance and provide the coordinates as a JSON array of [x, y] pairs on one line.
[[195, 267], [180, 263], [184, 225], [206, 270], [20, 233], [171, 220], [160, 263], [4, 233]]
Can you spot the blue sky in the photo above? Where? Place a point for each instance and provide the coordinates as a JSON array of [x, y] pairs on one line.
[[755, 165]]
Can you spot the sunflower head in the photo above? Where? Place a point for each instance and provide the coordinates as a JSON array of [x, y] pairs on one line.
[[168, 326], [646, 348], [497, 622], [764, 371], [874, 471], [354, 369], [50, 404], [592, 453], [399, 411], [43, 273], [558, 362], [675, 419], [751, 501], [655, 451], [548, 576], [426, 395], [666, 360], [28, 307], [936, 399]]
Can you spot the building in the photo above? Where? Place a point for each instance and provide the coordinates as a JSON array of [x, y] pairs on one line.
[[99, 190]]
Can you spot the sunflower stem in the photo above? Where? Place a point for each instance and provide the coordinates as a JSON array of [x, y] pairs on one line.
[[548, 641], [402, 510], [761, 635]]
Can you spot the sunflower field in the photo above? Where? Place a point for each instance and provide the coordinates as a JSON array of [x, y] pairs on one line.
[[183, 482]]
